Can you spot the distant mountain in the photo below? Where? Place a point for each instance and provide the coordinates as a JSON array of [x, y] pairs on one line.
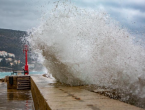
[[10, 41]]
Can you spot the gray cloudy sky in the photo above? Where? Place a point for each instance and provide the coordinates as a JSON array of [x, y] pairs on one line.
[[26, 14]]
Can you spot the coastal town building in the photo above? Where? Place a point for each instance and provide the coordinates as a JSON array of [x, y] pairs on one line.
[[11, 64], [11, 55], [9, 59], [5, 54], [17, 62]]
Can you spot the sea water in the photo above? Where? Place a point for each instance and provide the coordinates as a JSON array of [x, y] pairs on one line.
[[3, 74]]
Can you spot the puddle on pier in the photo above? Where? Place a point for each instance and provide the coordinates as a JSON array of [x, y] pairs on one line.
[[12, 99]]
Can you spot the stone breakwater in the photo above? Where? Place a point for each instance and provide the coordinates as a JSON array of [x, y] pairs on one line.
[[50, 95]]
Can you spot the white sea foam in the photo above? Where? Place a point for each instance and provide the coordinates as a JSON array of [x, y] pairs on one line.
[[88, 47]]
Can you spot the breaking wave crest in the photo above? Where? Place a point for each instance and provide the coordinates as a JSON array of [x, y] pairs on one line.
[[88, 47]]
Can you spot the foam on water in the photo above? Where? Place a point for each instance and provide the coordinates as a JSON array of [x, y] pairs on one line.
[[88, 47]]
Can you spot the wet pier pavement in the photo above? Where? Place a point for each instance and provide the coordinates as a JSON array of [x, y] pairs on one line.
[[12, 99], [50, 95]]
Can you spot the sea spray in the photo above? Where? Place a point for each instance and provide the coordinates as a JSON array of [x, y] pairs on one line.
[[88, 47]]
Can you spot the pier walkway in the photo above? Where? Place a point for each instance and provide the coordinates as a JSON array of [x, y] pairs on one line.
[[12, 99], [49, 95]]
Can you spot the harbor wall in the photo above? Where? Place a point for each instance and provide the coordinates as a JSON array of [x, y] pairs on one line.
[[14, 85], [39, 100], [50, 95]]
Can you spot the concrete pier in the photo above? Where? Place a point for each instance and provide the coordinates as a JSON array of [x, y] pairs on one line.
[[48, 95], [13, 99], [18, 82]]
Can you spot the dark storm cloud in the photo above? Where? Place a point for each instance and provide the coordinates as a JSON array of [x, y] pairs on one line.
[[23, 15], [130, 13]]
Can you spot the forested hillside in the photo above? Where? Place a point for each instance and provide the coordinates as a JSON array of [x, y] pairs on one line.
[[10, 41]]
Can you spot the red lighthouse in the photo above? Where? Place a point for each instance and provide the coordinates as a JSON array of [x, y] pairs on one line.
[[26, 70]]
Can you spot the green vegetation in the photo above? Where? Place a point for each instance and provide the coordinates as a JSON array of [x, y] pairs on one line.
[[10, 41], [3, 63], [15, 66]]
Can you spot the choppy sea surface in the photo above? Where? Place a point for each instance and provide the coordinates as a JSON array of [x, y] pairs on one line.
[[3, 74]]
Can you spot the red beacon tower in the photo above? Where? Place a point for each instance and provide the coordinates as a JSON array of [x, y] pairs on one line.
[[26, 70]]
